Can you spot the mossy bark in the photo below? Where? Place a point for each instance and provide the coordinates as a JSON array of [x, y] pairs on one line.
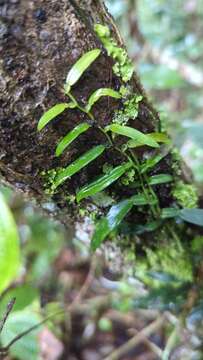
[[39, 42]]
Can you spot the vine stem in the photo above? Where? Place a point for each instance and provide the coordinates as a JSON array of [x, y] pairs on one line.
[[172, 340], [136, 161]]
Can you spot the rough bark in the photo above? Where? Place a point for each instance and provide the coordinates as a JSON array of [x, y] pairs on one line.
[[39, 42]]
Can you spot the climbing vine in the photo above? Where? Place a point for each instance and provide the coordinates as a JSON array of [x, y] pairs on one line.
[[132, 172]]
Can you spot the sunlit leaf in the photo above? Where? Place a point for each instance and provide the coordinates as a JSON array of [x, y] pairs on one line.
[[100, 93], [78, 164], [52, 113], [193, 216], [158, 137], [132, 133], [160, 179], [103, 181], [114, 217], [9, 246], [80, 66], [70, 137]]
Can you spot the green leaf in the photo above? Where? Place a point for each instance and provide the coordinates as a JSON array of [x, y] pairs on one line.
[[103, 181], [70, 137], [52, 113], [158, 137], [110, 222], [148, 227], [98, 94], [9, 246], [78, 164], [114, 217], [132, 133], [80, 66], [27, 347], [193, 216], [24, 295], [160, 179], [170, 212], [141, 199], [152, 161]]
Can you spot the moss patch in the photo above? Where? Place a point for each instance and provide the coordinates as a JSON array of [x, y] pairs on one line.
[[186, 195], [123, 66], [172, 259]]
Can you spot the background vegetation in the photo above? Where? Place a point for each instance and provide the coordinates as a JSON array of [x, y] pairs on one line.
[[97, 313]]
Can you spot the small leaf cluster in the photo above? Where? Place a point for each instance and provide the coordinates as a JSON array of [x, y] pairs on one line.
[[135, 174]]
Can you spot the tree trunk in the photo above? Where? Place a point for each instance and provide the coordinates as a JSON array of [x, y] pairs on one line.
[[40, 41]]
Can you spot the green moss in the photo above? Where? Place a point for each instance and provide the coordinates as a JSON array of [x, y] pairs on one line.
[[172, 259], [106, 168], [129, 111], [128, 178], [186, 195], [123, 66], [70, 199], [49, 180]]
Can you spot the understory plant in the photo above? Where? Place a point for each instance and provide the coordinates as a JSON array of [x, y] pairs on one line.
[[135, 172]]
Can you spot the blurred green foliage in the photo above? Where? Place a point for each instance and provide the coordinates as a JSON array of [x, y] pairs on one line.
[[172, 30]]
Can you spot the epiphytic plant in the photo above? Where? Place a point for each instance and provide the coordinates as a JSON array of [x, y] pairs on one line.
[[142, 182]]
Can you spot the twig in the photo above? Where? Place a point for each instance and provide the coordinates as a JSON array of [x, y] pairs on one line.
[[8, 310], [147, 331], [153, 347], [171, 343], [87, 283]]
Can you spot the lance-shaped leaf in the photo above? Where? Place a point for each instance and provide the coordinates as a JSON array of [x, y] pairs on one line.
[[70, 137], [78, 164], [160, 179], [100, 93], [151, 226], [170, 212], [158, 137], [52, 113], [9, 246], [132, 133], [193, 216], [155, 159], [80, 66], [114, 217], [103, 181], [110, 222]]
